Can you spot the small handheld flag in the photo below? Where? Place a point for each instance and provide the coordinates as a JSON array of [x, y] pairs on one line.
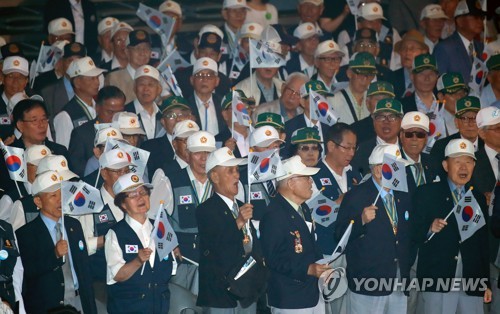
[[324, 210], [169, 77], [240, 113], [161, 23], [80, 198], [394, 174], [164, 235], [264, 166], [138, 156], [469, 216], [14, 160], [321, 110], [262, 56]]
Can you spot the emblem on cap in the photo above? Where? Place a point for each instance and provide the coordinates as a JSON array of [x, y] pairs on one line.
[[375, 9], [108, 23], [366, 62], [203, 140], [229, 152], [91, 63], [63, 163], [120, 155], [211, 39], [426, 60], [43, 152], [64, 24], [190, 125], [134, 178], [381, 88], [331, 45], [169, 4], [467, 103], [416, 118], [251, 27], [463, 145], [268, 133], [145, 70], [16, 63], [53, 177], [455, 80], [398, 153], [14, 48], [388, 104], [269, 119], [113, 133], [309, 27], [132, 122], [318, 87], [75, 47], [140, 35], [205, 63]]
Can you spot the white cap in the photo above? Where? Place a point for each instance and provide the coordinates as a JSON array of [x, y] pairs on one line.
[[315, 2], [46, 182], [459, 147], [60, 26], [3, 42], [488, 116], [201, 141], [115, 159], [103, 134], [433, 11], [264, 136], [205, 63], [251, 30], [129, 182], [106, 24], [83, 67], [170, 6], [234, 4], [371, 11], [57, 163], [147, 70], [327, 46], [121, 26], [305, 30], [35, 153], [415, 119], [128, 123], [295, 167], [209, 28], [377, 155], [15, 64], [185, 129], [223, 157]]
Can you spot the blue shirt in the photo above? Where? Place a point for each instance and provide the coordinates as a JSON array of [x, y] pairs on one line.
[[453, 187], [69, 88]]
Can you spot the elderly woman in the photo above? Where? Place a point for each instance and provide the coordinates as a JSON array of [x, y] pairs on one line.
[[306, 144], [129, 249]]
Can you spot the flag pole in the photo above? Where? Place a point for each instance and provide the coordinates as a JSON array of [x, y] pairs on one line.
[[18, 190], [62, 218], [36, 65], [151, 237], [378, 195], [98, 174]]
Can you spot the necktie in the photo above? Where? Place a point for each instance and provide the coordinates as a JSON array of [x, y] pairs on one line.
[[247, 240], [456, 196], [271, 190], [471, 52], [390, 209], [300, 210], [235, 211], [206, 104], [409, 90], [419, 174], [498, 160], [69, 284]]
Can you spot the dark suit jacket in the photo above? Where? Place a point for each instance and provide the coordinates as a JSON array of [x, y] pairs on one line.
[[43, 275], [483, 178], [218, 111], [81, 146], [437, 258], [294, 124], [223, 137], [430, 172], [289, 286], [44, 79], [183, 74], [55, 97], [398, 77], [364, 129], [409, 103], [360, 161], [452, 56], [373, 251], [161, 150]]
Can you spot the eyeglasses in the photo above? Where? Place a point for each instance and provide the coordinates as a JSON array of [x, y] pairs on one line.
[[468, 119], [415, 133], [42, 121], [389, 117], [367, 45], [330, 59], [293, 93], [206, 76], [137, 193], [306, 148], [353, 149], [119, 172], [173, 116]]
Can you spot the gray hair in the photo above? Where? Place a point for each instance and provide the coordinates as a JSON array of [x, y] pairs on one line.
[[295, 76]]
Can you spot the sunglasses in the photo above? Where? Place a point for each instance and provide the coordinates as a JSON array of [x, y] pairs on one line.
[[308, 148], [415, 133]]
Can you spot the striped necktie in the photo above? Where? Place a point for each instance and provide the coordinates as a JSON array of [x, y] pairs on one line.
[[419, 174]]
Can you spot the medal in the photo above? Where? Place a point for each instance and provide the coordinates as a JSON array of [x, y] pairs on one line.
[[246, 239], [394, 228], [298, 242]]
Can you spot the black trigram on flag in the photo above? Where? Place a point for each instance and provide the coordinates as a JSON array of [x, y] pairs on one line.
[[254, 159], [73, 189], [86, 190], [256, 175], [323, 201], [4, 151], [476, 218], [71, 207], [258, 46], [329, 119], [395, 182], [160, 246], [91, 204], [468, 199], [136, 156], [336, 210], [273, 169], [177, 61], [147, 11], [459, 209], [465, 227], [277, 60], [259, 60], [165, 20], [394, 166], [115, 146], [169, 236], [316, 99], [21, 174]]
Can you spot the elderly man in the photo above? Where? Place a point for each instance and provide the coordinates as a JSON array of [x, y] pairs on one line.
[[104, 29], [190, 187], [119, 35], [466, 259], [173, 9], [432, 20], [267, 86], [226, 236], [310, 11], [182, 131], [56, 263], [327, 58], [288, 244], [303, 59], [234, 13], [451, 87], [491, 93]]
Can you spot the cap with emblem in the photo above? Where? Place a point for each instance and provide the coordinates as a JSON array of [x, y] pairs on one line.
[[305, 30], [174, 102], [465, 104], [223, 157], [210, 40], [415, 119], [57, 163], [210, 28], [60, 26], [272, 119], [295, 167], [316, 86], [251, 30], [305, 135], [327, 46], [488, 116], [106, 24], [377, 155], [185, 129], [390, 105], [103, 134], [205, 63], [83, 67], [46, 182], [74, 49], [412, 35], [121, 26], [365, 34], [450, 83], [15, 64], [277, 33], [138, 37], [149, 71], [201, 141], [363, 63], [469, 7], [424, 62], [493, 63], [433, 11], [11, 49], [115, 159], [128, 123], [129, 182], [234, 4], [381, 88], [228, 98], [35, 153], [170, 7], [371, 11], [264, 136], [459, 147]]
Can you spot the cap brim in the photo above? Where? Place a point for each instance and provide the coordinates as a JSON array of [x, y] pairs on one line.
[[388, 93], [197, 149], [461, 154], [63, 33], [412, 125], [184, 134], [424, 67], [268, 142], [362, 70], [119, 165], [461, 112], [136, 186], [93, 72], [50, 189], [25, 73], [307, 171], [132, 131], [374, 17], [277, 126], [231, 163], [67, 175]]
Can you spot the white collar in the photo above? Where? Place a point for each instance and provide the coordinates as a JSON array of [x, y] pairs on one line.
[[466, 42], [130, 71], [227, 200], [490, 152], [137, 226], [411, 160], [140, 109], [344, 171], [200, 103]]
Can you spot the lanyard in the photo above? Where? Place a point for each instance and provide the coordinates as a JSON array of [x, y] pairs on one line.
[[84, 107]]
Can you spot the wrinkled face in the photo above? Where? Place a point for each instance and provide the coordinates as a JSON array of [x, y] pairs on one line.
[[371, 101], [387, 126], [433, 27], [359, 82], [14, 83], [172, 116], [413, 140], [107, 110], [459, 169], [471, 24], [110, 176], [425, 81], [365, 45], [105, 41], [180, 147], [309, 12], [49, 204], [146, 89], [309, 153], [197, 161], [34, 125], [466, 125], [301, 186], [328, 64], [235, 17], [205, 81], [86, 85], [119, 44], [308, 46], [226, 180], [408, 51], [137, 202], [139, 55], [132, 139], [491, 136], [342, 153], [290, 94]]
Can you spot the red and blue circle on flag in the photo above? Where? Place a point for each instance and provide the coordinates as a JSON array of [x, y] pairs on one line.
[[13, 163], [161, 230], [264, 165], [467, 213], [79, 199], [387, 171], [155, 20], [241, 108], [479, 77], [323, 210], [323, 108]]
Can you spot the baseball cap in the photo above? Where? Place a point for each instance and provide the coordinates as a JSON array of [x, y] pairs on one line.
[[493, 63], [389, 104], [305, 30], [15, 64], [305, 135], [138, 37], [184, 129], [459, 147], [371, 11], [377, 155], [251, 30], [11, 49], [450, 83], [121, 26], [170, 6], [412, 35], [363, 63], [201, 141], [424, 62], [149, 71], [365, 34], [210, 28], [128, 123], [467, 103], [223, 157], [272, 119], [106, 24], [469, 7], [314, 85], [264, 136], [234, 4], [488, 116], [115, 159], [433, 11], [415, 119], [46, 182], [35, 153], [60, 26], [205, 63], [103, 134], [173, 102], [57, 163], [228, 98], [327, 46], [83, 67], [129, 182], [210, 40], [74, 49], [315, 2], [295, 167], [381, 88]]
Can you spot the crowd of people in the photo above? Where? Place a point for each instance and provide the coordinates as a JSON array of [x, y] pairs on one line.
[[424, 92]]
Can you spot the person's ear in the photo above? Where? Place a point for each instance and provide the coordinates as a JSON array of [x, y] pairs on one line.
[[38, 201]]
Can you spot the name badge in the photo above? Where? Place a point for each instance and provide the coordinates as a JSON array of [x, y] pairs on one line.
[[4, 120], [325, 181], [223, 49], [256, 195], [130, 249], [186, 199], [103, 218], [234, 74]]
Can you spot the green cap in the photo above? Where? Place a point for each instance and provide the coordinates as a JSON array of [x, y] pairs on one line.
[[173, 102], [317, 86], [450, 83], [306, 135], [467, 103], [493, 63], [363, 63], [381, 88], [424, 62], [228, 99], [272, 119], [389, 104]]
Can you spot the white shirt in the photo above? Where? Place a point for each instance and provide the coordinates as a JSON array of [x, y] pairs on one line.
[[203, 190], [466, 43], [87, 221], [339, 104], [106, 57], [208, 117], [63, 124], [77, 10], [492, 157], [341, 179], [181, 162], [308, 70], [413, 170], [115, 64], [148, 121], [380, 141], [430, 44], [130, 71], [114, 253], [242, 143]]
